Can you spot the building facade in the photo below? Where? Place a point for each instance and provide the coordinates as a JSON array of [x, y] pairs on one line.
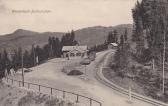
[[74, 52], [113, 46]]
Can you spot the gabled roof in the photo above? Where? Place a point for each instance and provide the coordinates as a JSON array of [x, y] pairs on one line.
[[114, 44], [72, 48]]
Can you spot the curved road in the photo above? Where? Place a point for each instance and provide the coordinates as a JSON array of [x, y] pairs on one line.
[[109, 96], [50, 74]]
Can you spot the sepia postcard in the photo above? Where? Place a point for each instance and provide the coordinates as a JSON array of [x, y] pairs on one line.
[[83, 52]]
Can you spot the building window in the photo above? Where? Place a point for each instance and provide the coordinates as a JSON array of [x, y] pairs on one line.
[[72, 54], [78, 54]]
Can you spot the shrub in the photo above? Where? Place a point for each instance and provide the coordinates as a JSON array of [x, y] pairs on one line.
[[75, 72]]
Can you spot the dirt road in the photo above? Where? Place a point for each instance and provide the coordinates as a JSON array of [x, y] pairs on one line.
[[50, 74]]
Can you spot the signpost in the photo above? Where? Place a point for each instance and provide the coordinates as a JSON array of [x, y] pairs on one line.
[[85, 62], [130, 98], [131, 77]]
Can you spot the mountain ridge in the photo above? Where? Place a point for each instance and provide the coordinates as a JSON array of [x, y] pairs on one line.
[[86, 36]]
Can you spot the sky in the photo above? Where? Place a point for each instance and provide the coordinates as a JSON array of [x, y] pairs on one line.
[[63, 15]]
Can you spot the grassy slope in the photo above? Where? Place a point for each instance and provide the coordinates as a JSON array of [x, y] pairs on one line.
[[139, 85], [13, 96]]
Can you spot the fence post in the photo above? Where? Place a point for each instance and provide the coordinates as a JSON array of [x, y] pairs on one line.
[[51, 91], [63, 94], [90, 102], [77, 98], [39, 88]]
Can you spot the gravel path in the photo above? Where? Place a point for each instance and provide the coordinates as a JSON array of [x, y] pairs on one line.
[[50, 74]]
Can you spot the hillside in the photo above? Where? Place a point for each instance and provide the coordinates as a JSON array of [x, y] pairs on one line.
[[13, 96], [24, 38], [98, 34], [90, 36]]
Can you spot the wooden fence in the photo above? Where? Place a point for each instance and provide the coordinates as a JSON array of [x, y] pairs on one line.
[[77, 97]]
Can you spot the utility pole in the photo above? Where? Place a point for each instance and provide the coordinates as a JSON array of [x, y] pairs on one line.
[[22, 71], [164, 51], [34, 55], [153, 64], [164, 48], [130, 93]]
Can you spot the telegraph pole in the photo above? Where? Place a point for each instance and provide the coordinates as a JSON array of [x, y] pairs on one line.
[[22, 70], [164, 51], [34, 55]]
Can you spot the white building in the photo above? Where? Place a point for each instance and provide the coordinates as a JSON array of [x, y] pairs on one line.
[[112, 46], [72, 52]]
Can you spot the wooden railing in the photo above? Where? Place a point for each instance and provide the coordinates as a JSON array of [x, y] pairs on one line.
[[77, 97], [105, 81]]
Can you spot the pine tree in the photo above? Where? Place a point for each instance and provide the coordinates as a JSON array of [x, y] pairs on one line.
[[2, 73], [148, 16], [112, 37], [122, 41], [115, 36], [39, 54], [15, 60], [33, 56], [5, 59], [122, 58], [26, 59], [46, 50], [50, 43], [126, 35], [20, 53], [69, 39]]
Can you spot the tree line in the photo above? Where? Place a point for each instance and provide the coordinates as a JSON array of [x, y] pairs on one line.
[[112, 37], [37, 55], [145, 57], [150, 31], [149, 37], [122, 55], [53, 49]]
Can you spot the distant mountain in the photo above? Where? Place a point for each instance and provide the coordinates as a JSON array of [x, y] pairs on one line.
[[98, 34], [87, 36], [25, 39]]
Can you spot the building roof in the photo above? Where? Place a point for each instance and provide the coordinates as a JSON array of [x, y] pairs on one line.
[[72, 48], [114, 44]]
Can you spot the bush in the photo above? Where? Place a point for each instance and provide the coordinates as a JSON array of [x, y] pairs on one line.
[[121, 74], [75, 72]]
